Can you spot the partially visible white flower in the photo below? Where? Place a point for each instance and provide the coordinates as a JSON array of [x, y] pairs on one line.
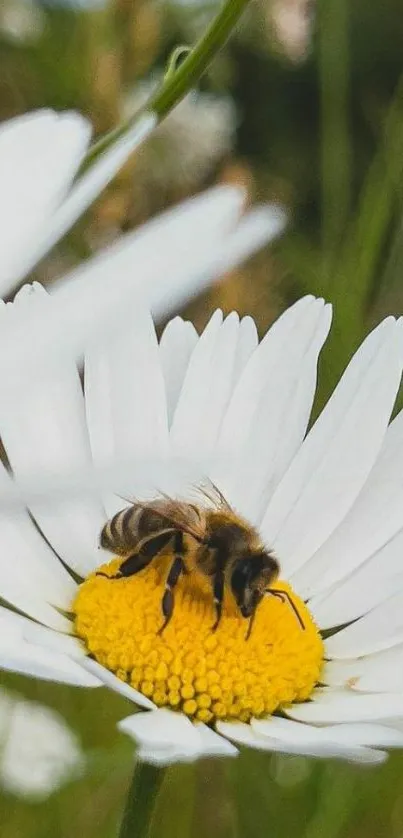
[[187, 145], [40, 155], [21, 20], [38, 751], [292, 21], [163, 263]]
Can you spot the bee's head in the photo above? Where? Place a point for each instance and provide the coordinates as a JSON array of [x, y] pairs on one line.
[[250, 578]]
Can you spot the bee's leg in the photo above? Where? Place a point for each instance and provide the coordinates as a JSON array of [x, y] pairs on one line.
[[175, 572], [138, 561], [131, 565], [218, 593]]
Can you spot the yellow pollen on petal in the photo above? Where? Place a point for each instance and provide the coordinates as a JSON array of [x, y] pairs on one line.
[[207, 675]]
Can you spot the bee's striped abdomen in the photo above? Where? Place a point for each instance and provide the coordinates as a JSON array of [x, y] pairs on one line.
[[121, 533]]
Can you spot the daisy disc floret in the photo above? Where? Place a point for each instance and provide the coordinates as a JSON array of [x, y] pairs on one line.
[[326, 501], [188, 667]]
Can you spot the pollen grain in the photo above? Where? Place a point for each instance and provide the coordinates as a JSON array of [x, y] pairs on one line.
[[206, 675]]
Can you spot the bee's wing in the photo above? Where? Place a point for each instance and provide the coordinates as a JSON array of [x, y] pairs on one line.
[[213, 494], [182, 515], [178, 514]]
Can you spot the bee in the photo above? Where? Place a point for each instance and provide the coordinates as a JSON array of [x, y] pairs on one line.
[[223, 546]]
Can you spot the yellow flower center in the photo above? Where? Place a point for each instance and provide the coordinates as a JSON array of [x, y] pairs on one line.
[[205, 674]]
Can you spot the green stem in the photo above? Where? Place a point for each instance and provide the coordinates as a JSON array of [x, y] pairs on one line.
[[178, 83], [336, 147], [140, 804]]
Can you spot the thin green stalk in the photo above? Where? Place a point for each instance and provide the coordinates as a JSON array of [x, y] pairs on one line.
[[334, 79], [377, 202], [176, 84], [141, 799], [360, 256], [199, 58]]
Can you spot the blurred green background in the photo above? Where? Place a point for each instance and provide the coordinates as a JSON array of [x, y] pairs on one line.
[[304, 106]]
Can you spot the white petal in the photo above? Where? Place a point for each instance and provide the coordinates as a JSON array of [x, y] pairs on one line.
[[26, 558], [43, 429], [126, 402], [240, 412], [18, 655], [373, 735], [110, 680], [247, 343], [381, 672], [167, 261], [243, 734], [213, 745], [206, 389], [177, 343], [354, 734], [334, 461], [257, 227], [42, 663], [269, 410], [139, 414], [99, 415], [91, 184], [201, 357], [98, 404], [161, 263], [375, 581], [163, 736], [163, 756], [43, 636], [330, 706], [95, 481], [344, 673], [286, 730], [380, 629], [373, 522], [39, 156], [31, 576], [306, 742], [162, 728]]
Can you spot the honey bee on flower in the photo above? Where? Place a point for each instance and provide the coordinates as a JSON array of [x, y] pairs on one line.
[[306, 678]]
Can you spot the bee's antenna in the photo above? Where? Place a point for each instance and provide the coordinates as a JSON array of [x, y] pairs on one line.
[[285, 596], [250, 626]]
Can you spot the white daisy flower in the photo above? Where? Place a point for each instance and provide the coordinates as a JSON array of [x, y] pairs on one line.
[[164, 262], [186, 147], [320, 670]]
